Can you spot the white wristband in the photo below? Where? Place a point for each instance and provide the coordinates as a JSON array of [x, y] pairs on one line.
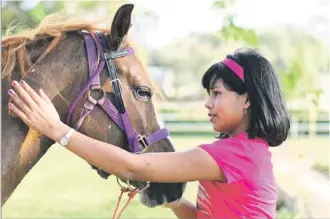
[[65, 139]]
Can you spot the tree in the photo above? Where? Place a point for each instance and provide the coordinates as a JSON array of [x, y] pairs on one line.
[[230, 30], [190, 56], [26, 15], [298, 58]]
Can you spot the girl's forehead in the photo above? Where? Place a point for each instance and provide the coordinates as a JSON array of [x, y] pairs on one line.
[[216, 83]]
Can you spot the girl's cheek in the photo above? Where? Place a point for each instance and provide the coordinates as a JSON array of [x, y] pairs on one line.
[[217, 101], [218, 106]]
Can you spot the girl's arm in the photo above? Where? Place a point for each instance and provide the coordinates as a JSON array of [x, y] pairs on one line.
[[183, 209], [186, 166], [38, 112]]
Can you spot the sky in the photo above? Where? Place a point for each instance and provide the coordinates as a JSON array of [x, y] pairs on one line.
[[176, 18]]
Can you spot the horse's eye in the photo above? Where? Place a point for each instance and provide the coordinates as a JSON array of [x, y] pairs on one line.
[[143, 92]]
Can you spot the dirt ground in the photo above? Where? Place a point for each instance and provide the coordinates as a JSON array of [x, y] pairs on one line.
[[294, 174]]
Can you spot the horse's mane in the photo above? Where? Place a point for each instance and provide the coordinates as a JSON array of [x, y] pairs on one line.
[[55, 26]]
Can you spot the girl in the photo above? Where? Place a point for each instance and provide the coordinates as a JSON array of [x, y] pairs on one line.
[[235, 174]]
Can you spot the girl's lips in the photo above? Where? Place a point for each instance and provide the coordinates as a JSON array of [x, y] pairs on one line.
[[212, 118]]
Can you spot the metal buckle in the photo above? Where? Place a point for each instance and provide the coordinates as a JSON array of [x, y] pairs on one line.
[[96, 88], [114, 80], [142, 139]]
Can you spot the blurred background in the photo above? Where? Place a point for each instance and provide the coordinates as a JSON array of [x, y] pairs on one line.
[[178, 40]]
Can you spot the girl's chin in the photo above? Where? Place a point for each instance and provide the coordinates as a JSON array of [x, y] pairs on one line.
[[216, 129], [219, 128]]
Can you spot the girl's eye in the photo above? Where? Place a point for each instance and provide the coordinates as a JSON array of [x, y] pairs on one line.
[[143, 92], [216, 93]]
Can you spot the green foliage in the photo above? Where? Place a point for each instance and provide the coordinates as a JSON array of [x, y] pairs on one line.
[[303, 115], [168, 110], [298, 58], [188, 57], [16, 13], [290, 76], [223, 4], [231, 31], [27, 17], [285, 214], [322, 168]]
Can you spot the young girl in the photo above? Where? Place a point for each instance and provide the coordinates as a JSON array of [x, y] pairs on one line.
[[235, 173]]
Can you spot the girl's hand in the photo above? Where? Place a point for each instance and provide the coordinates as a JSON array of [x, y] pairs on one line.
[[36, 110], [171, 204]]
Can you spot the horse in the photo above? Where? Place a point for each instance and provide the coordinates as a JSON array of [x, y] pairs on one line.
[[54, 57]]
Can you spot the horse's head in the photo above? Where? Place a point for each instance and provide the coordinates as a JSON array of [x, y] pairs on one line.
[[60, 66], [133, 122]]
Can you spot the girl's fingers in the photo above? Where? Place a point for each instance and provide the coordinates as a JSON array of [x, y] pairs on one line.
[[44, 96], [34, 95], [18, 112], [24, 94], [19, 102]]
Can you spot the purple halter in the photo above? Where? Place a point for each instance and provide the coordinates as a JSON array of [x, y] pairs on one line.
[[119, 116]]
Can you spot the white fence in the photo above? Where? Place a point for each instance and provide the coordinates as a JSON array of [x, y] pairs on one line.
[[320, 128]]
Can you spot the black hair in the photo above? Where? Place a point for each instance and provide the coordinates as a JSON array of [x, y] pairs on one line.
[[269, 118]]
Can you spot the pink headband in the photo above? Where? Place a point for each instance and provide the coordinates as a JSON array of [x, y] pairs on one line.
[[235, 67]]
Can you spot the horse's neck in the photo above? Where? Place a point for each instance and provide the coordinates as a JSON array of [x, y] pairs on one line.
[[60, 74]]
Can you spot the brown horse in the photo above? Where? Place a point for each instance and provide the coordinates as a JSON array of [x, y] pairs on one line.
[[53, 57]]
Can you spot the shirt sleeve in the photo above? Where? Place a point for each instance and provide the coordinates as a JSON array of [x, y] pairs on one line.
[[230, 157]]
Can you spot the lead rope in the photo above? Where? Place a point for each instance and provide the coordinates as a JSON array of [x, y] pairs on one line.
[[131, 195]]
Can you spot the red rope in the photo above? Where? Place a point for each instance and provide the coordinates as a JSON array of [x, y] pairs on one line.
[[131, 195]]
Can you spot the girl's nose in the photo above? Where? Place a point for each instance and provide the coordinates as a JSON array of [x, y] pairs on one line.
[[208, 103]]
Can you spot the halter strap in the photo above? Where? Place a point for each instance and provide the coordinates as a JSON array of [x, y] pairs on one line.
[[118, 114]]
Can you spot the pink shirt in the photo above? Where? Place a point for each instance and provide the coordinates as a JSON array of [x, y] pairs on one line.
[[250, 191]]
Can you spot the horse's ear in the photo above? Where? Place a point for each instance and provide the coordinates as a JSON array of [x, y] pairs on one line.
[[120, 25]]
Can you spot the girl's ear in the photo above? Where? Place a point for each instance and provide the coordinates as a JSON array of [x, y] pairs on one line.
[[246, 101]]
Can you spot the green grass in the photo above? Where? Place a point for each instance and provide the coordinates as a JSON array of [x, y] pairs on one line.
[[285, 214], [316, 149], [322, 168], [62, 185]]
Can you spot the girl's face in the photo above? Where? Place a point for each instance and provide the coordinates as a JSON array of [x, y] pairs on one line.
[[226, 109]]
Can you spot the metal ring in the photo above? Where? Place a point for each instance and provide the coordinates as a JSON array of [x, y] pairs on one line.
[[119, 183], [147, 186], [92, 99], [128, 185], [131, 188]]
